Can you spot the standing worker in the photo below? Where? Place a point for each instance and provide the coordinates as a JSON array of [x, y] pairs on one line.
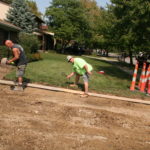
[[81, 69], [19, 58]]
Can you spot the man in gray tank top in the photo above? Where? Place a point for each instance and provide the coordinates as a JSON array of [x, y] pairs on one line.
[[19, 58]]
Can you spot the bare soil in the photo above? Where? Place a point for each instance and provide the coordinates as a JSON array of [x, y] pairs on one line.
[[44, 120]]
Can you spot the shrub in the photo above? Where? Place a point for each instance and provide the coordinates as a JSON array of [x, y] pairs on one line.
[[4, 52], [29, 42], [34, 57]]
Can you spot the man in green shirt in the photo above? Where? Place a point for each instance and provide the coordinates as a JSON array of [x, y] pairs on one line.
[[81, 69]]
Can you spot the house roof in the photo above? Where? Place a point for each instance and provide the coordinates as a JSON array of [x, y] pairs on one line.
[[49, 33], [39, 19], [8, 26], [44, 32], [8, 3], [37, 33]]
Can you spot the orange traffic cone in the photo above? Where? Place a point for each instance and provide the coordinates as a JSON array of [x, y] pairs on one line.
[[142, 86], [148, 86], [147, 77], [141, 77], [139, 85], [132, 87]]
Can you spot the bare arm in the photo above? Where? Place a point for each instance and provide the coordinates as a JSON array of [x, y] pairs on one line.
[[70, 75], [86, 68], [16, 54]]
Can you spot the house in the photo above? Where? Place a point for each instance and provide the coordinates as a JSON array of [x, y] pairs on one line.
[[45, 37], [10, 31], [7, 30]]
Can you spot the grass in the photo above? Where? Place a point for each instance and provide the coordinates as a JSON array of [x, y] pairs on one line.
[[49, 71]]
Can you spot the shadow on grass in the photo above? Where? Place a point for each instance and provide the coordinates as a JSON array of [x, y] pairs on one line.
[[26, 80], [80, 85], [111, 70]]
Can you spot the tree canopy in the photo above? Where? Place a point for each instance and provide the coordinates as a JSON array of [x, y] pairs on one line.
[[68, 20], [122, 26], [132, 24], [33, 7], [20, 15]]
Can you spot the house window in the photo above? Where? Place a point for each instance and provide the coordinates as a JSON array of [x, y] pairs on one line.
[[3, 36]]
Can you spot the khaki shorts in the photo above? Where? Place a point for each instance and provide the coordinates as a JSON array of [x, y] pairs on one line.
[[85, 77], [20, 71]]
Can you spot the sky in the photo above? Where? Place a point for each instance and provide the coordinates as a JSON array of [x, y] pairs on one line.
[[42, 4]]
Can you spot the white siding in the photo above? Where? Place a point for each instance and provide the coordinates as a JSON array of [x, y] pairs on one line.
[[3, 10]]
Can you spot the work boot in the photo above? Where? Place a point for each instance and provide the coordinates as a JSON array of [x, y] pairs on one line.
[[18, 87]]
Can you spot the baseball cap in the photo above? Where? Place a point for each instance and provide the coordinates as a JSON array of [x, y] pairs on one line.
[[68, 58]]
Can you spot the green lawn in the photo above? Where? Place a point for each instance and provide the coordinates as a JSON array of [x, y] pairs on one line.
[[49, 71]]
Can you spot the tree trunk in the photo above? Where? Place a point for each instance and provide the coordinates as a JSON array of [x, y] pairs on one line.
[[106, 53], [131, 59]]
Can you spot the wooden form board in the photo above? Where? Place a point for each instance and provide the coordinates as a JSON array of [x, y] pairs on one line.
[[78, 92]]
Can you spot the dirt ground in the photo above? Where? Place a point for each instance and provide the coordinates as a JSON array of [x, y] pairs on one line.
[[45, 120]]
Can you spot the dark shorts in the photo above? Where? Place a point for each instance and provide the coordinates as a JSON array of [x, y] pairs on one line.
[[20, 71]]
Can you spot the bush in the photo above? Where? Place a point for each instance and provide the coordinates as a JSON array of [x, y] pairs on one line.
[[4, 52], [29, 42], [34, 57]]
